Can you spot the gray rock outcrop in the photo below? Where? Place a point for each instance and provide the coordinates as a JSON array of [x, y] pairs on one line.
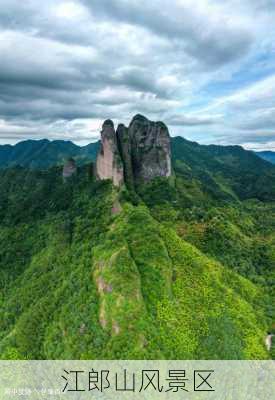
[[124, 146], [136, 154], [150, 149], [109, 163]]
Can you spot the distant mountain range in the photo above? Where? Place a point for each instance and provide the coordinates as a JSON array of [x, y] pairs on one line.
[[267, 155], [224, 171], [42, 154]]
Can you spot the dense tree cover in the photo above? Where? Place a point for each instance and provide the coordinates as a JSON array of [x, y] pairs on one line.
[[227, 172], [238, 234], [179, 272]]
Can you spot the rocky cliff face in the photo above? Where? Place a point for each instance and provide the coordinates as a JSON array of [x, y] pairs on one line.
[[124, 146], [109, 164], [150, 149], [135, 154]]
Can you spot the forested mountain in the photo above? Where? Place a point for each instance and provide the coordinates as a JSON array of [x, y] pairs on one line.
[[85, 273], [267, 155], [44, 153], [228, 171], [176, 266], [41, 154]]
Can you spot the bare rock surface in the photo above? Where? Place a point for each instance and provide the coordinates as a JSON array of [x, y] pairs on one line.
[[109, 164], [136, 154], [150, 148]]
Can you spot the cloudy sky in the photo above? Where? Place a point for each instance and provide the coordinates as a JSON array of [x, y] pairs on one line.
[[206, 68]]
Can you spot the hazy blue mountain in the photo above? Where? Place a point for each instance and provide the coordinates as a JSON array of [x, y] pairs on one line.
[[267, 155]]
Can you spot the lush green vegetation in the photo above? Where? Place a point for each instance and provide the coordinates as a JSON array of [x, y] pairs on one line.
[[225, 172], [184, 269]]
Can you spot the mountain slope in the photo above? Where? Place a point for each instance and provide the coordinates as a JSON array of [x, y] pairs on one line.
[[226, 171], [267, 155], [191, 296], [107, 280]]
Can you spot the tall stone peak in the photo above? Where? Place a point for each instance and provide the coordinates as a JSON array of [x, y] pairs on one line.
[[109, 164], [138, 117], [108, 122], [125, 149], [135, 154], [150, 148]]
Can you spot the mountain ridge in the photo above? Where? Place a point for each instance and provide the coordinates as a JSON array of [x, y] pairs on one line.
[[224, 172], [28, 153], [86, 153]]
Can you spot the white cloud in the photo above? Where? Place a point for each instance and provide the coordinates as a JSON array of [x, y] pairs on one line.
[[69, 9], [67, 65]]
